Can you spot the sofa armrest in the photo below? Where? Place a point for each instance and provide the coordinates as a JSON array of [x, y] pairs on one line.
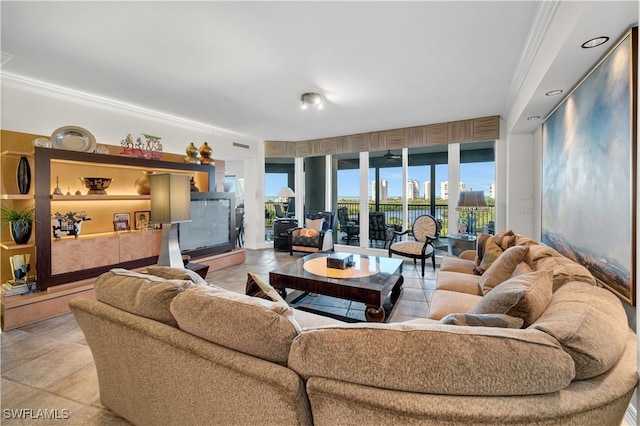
[[468, 255]]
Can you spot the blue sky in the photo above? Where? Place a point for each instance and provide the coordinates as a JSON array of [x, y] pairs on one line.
[[476, 176]]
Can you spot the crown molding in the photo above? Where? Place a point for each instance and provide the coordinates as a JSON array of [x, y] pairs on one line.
[[544, 16], [66, 94]]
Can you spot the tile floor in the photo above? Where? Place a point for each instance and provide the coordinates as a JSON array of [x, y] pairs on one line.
[[48, 375]]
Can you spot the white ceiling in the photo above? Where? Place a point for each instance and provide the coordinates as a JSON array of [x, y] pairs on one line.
[[242, 66]]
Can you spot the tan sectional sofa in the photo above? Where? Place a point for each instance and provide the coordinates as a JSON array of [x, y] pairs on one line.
[[171, 349]]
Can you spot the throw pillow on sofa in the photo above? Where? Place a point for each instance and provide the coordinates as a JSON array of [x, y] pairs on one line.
[[490, 253], [483, 320], [258, 288], [524, 296], [505, 239], [502, 269]]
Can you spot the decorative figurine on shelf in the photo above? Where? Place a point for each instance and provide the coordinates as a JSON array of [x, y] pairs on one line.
[[205, 154], [194, 188], [57, 190], [150, 147], [68, 224], [192, 154]]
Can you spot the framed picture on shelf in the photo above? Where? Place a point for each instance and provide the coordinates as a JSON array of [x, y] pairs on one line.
[[122, 216], [141, 219], [121, 225]]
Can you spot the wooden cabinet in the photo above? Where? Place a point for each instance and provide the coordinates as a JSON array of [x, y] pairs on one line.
[[98, 247]]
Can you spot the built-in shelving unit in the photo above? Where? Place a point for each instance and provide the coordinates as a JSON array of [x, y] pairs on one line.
[[57, 289], [102, 248]]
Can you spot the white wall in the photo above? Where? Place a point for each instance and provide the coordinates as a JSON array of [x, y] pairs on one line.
[[520, 184]]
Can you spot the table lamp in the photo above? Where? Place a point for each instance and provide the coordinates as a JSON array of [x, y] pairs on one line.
[[471, 202], [284, 194], [170, 205]]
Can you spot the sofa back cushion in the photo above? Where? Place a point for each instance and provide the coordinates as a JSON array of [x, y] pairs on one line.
[[145, 295], [502, 269], [564, 270], [590, 324], [169, 273], [434, 358], [251, 325], [524, 296]]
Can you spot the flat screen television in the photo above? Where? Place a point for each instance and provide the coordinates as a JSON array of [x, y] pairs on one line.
[[212, 227]]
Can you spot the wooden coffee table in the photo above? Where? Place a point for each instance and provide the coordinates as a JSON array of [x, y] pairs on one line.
[[374, 281]]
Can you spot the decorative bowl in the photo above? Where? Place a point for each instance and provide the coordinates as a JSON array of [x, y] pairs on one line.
[[96, 185]]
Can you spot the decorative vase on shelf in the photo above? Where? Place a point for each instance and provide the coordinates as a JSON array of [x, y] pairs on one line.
[[23, 175], [192, 154], [20, 234], [205, 154], [143, 186]]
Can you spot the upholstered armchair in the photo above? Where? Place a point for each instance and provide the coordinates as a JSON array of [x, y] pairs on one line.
[[317, 234], [425, 231]]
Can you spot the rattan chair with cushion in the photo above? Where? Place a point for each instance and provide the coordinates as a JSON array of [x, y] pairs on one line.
[[425, 231]]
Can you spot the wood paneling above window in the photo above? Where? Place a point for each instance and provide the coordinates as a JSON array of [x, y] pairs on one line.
[[474, 130]]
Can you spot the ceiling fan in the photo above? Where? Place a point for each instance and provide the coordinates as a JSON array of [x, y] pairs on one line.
[[390, 156]]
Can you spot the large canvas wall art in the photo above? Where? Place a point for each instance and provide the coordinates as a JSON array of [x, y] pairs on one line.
[[589, 171]]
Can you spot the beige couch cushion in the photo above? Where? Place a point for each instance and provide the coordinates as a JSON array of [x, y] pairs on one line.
[[169, 273], [502, 269], [246, 324], [439, 359], [458, 281], [524, 296], [564, 270], [483, 320], [591, 325], [537, 252], [444, 302], [456, 264], [141, 294]]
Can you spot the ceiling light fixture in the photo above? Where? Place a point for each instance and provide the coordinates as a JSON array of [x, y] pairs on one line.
[[311, 98], [595, 42], [554, 92], [534, 117]]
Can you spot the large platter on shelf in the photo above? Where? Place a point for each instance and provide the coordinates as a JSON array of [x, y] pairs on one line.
[[73, 138]]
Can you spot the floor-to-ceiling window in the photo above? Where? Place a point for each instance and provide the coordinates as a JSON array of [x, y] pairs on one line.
[[279, 173], [348, 199], [385, 195], [477, 173], [427, 184]]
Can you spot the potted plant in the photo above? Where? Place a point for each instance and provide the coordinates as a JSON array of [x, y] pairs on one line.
[[20, 222]]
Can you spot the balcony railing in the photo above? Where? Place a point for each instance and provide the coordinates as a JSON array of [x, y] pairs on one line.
[[393, 214]]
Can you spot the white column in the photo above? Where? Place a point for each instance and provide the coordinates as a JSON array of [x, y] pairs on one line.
[[454, 187], [364, 199]]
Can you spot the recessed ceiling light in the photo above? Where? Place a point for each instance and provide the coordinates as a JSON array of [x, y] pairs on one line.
[[534, 117], [554, 92], [595, 42], [311, 98]]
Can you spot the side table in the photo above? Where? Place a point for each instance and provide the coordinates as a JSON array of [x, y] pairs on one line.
[[461, 242], [198, 268]]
